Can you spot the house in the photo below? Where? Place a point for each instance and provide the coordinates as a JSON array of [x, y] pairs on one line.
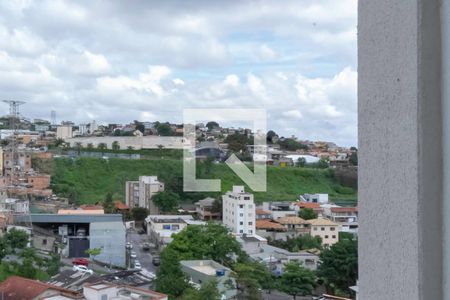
[[295, 224], [280, 209], [314, 198], [139, 193], [20, 288], [106, 290], [316, 207], [161, 227], [326, 229], [262, 214], [346, 217], [205, 209], [202, 271], [239, 211]]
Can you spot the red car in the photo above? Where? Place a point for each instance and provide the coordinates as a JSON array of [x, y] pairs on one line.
[[80, 261]]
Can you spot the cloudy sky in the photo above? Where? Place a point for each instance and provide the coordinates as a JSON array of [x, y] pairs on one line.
[[117, 61]]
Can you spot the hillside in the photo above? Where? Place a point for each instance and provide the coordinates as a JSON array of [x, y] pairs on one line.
[[88, 180]]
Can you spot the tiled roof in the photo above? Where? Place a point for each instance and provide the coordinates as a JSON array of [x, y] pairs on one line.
[[19, 288], [269, 224], [291, 221], [90, 207], [303, 204], [344, 209], [322, 222], [120, 205], [259, 211]]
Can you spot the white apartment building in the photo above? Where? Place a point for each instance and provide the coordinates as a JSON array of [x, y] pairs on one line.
[[239, 211], [139, 193]]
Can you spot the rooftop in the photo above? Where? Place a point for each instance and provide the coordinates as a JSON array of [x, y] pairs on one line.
[[343, 209], [78, 218], [322, 222], [269, 224], [288, 220]]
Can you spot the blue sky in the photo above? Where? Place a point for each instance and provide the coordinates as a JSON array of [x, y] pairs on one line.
[[120, 61]]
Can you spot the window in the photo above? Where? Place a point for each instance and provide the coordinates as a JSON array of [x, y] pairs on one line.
[[241, 223], [326, 236], [322, 228], [246, 198], [167, 227], [241, 205], [44, 242], [250, 223], [104, 297], [332, 228], [241, 231], [315, 228], [241, 215], [250, 231], [333, 236]]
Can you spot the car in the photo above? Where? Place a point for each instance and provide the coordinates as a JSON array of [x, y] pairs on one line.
[[156, 261], [133, 254], [146, 246], [129, 245], [82, 269], [137, 265], [80, 262]]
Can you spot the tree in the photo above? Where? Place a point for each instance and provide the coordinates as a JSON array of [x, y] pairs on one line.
[[353, 159], [59, 142], [27, 269], [130, 148], [211, 125], [307, 214], [208, 291], [79, 146], [250, 277], [139, 126], [171, 279], [139, 213], [160, 150], [166, 201], [296, 280], [94, 252], [238, 142], [295, 244], [108, 204], [90, 146], [17, 238], [102, 147], [301, 162], [164, 129], [270, 135], [217, 206], [115, 145], [339, 265]]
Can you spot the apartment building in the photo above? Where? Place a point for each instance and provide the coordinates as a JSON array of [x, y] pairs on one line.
[[326, 229], [239, 211], [139, 193]]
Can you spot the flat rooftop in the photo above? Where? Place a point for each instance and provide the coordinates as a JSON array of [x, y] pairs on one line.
[[54, 218]]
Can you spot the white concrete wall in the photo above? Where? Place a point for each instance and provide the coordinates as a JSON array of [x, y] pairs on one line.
[[400, 159]]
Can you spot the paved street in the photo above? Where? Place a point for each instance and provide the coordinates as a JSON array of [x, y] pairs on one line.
[[144, 257]]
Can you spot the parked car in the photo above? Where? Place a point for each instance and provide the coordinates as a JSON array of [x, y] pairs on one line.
[[156, 260], [81, 262], [137, 265], [82, 269], [133, 254], [146, 247], [129, 245]]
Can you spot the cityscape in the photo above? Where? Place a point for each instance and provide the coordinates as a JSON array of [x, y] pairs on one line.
[[109, 190]]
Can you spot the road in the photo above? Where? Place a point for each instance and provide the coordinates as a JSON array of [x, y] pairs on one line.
[[144, 257]]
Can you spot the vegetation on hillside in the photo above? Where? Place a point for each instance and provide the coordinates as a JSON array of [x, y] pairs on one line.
[[88, 180]]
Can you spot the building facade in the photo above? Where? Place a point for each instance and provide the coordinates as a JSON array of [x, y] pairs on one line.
[[139, 193], [239, 211]]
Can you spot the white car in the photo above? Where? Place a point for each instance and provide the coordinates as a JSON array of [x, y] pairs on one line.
[[82, 269], [137, 265], [133, 254], [129, 245]]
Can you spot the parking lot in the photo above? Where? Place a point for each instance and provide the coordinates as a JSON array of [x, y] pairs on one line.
[[144, 257]]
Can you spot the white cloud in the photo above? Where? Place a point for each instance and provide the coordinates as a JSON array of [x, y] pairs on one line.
[[266, 53], [295, 114]]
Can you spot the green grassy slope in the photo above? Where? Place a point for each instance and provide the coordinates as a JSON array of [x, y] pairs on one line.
[[88, 180]]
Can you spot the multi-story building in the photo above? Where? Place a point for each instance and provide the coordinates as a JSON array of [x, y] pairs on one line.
[[205, 209], [64, 132], [139, 193], [315, 198], [239, 211], [326, 229]]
